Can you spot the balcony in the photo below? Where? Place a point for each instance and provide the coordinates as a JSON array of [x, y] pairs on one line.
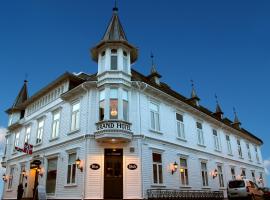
[[113, 131]]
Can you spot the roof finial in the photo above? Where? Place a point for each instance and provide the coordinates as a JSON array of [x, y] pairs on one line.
[[25, 78], [193, 92], [218, 108], [216, 97], [153, 68], [115, 8], [236, 121]]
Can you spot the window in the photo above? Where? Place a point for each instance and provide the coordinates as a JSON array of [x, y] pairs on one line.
[[40, 131], [257, 154], [55, 124], [180, 126], [216, 140], [157, 168], [51, 176], [71, 173], [200, 133], [229, 146], [248, 150], [10, 178], [75, 116], [21, 174], [184, 171], [16, 140], [253, 176], [27, 134], [154, 113], [113, 59], [101, 104], [220, 176], [261, 179], [113, 104], [204, 174], [102, 61], [243, 174], [233, 173], [239, 149], [125, 104], [125, 62]]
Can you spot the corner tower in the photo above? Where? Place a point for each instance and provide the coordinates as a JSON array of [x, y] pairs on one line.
[[114, 54]]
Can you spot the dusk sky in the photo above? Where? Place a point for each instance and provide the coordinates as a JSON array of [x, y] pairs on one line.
[[224, 46]]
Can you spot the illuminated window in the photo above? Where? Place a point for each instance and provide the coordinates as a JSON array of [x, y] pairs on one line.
[[113, 104], [184, 171]]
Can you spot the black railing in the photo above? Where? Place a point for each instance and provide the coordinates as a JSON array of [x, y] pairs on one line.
[[167, 194]]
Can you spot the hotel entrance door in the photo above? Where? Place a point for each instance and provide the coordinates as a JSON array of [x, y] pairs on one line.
[[113, 174]]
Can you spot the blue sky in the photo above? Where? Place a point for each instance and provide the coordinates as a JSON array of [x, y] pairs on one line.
[[224, 46]]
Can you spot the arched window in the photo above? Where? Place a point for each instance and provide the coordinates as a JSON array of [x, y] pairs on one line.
[[113, 59]]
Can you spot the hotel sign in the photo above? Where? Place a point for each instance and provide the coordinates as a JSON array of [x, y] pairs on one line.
[[116, 125], [94, 166], [132, 166]]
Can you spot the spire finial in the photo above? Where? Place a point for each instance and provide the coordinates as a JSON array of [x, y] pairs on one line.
[[153, 67], [192, 83], [152, 58], [236, 122], [115, 8], [218, 108], [25, 78], [216, 97]]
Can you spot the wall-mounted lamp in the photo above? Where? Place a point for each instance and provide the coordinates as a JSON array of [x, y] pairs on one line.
[[214, 173], [175, 166], [78, 164], [4, 177]]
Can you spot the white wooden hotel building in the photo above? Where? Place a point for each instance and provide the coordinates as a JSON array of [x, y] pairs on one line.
[[117, 133]]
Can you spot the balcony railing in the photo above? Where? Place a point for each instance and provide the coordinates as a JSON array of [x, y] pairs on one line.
[[167, 194], [113, 131]]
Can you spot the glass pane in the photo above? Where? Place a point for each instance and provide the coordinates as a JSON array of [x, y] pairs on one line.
[[160, 174], [125, 95], [155, 173], [101, 110], [73, 173], [72, 158], [56, 116], [68, 173], [125, 110], [113, 62], [113, 108], [76, 106], [157, 121], [199, 125], [113, 94], [152, 120], [183, 162], [51, 176], [102, 95], [154, 107], [214, 132], [156, 157], [179, 117]]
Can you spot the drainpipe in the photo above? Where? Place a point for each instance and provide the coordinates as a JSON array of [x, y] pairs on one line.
[[85, 138]]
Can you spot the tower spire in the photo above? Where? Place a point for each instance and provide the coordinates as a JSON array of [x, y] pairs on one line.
[[194, 99], [236, 122], [218, 114]]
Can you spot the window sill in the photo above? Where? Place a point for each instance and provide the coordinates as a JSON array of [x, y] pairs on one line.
[[36, 145], [155, 131], [14, 152], [52, 139], [242, 158], [201, 145], [9, 190], [206, 188], [250, 160], [185, 187], [229, 154], [71, 185], [222, 188], [158, 185], [217, 150], [73, 131], [181, 139]]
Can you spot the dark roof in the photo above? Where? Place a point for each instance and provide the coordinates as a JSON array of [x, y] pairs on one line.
[[21, 98], [218, 109], [114, 31], [136, 76]]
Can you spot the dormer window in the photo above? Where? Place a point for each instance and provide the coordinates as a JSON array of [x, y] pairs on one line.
[[125, 62], [113, 59]]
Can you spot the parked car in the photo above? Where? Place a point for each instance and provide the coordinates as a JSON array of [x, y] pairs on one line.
[[266, 193], [245, 189]]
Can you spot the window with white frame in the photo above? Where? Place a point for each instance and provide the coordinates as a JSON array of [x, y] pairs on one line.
[[27, 134], [220, 176], [40, 130], [180, 126], [239, 148], [16, 140], [204, 174], [21, 174], [243, 174], [101, 105], [55, 124], [216, 140], [261, 179], [71, 171], [200, 133], [248, 151], [75, 116], [154, 113], [51, 176], [10, 178], [233, 173], [113, 103], [102, 61], [229, 146], [157, 168], [114, 59], [253, 176], [184, 171], [125, 104], [125, 61], [257, 154]]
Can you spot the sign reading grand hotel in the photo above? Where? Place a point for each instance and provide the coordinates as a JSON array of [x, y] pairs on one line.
[[118, 125]]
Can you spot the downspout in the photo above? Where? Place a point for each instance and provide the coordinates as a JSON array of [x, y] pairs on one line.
[[85, 138]]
